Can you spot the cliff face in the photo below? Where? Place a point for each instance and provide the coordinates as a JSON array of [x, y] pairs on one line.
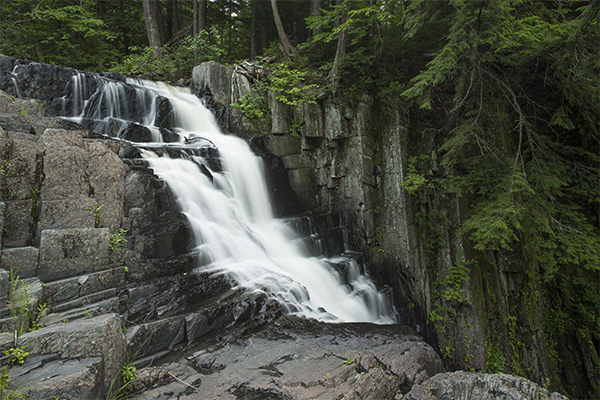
[[482, 311]]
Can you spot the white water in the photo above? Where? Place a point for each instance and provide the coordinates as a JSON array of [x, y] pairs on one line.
[[233, 224]]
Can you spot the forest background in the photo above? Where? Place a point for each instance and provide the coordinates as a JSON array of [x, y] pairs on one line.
[[506, 92]]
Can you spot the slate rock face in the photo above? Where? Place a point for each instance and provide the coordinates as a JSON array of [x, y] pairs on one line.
[[80, 171], [23, 260], [65, 253], [475, 386]]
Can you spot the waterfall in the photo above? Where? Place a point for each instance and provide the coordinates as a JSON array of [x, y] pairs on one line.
[[229, 209], [14, 77]]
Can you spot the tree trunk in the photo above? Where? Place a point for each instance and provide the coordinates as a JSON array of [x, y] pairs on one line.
[[286, 47], [339, 54], [264, 27], [253, 53], [195, 19], [169, 24], [175, 17], [315, 11], [336, 23], [152, 19], [202, 9]]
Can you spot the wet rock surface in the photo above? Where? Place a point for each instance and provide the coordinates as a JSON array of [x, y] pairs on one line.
[[295, 358]]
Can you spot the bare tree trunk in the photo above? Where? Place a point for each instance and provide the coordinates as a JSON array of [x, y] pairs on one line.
[[253, 30], [202, 9], [315, 11], [152, 19], [169, 24], [339, 54], [195, 18], [230, 38], [336, 23], [264, 27], [286, 47], [175, 17]]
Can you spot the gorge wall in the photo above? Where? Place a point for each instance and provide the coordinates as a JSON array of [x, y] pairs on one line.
[[482, 311]]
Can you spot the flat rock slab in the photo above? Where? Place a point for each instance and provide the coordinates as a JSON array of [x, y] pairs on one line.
[[81, 358], [57, 379], [295, 358], [475, 386]]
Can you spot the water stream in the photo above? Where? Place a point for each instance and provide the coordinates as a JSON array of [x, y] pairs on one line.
[[228, 205]]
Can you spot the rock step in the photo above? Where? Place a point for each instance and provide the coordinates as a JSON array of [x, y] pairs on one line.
[[28, 294], [171, 296], [28, 123], [22, 123], [324, 244], [82, 302], [58, 316], [320, 235], [307, 225], [73, 360], [69, 289], [149, 339]]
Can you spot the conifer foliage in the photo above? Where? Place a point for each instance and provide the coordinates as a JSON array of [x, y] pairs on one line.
[[519, 81]]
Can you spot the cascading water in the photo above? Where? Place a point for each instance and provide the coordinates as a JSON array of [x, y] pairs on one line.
[[14, 77], [228, 207]]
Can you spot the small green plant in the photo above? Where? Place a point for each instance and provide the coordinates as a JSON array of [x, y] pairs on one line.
[[515, 345], [448, 351], [459, 273], [16, 355], [290, 87], [250, 106], [4, 380], [349, 361], [296, 127], [435, 315], [97, 213], [35, 319], [5, 392], [495, 361], [5, 168], [22, 111], [18, 298], [129, 373], [117, 240], [413, 181], [34, 193]]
